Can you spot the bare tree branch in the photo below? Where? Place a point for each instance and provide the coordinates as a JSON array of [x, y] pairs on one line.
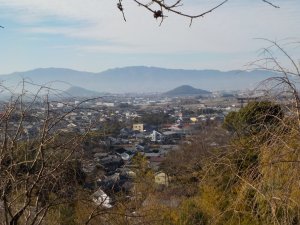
[[271, 4], [159, 8]]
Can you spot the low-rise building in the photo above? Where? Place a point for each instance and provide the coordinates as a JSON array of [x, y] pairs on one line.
[[138, 127]]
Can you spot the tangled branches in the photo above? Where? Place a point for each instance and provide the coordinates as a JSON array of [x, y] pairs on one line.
[[159, 8]]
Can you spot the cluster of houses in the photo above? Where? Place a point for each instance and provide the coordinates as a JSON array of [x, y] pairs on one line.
[[109, 156], [112, 166]]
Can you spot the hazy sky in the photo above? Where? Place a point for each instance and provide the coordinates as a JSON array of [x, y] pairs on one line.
[[91, 35]]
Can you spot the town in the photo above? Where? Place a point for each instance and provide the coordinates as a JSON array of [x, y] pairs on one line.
[[149, 112], [117, 128]]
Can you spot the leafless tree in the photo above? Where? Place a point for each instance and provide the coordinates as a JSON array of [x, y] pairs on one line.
[[39, 170]]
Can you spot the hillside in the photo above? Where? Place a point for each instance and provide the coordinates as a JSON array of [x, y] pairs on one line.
[[82, 92], [186, 90]]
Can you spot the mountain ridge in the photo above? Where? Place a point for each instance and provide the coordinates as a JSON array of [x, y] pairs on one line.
[[82, 92], [140, 79]]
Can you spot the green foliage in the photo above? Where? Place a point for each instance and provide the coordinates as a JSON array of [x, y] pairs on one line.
[[231, 121], [155, 119], [208, 111], [254, 118]]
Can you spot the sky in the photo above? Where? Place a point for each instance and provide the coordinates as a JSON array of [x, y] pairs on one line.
[[91, 35]]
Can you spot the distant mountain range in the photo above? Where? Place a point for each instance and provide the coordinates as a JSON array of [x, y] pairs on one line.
[[82, 92], [139, 79], [186, 90]]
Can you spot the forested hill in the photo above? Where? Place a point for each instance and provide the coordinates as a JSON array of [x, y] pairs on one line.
[[186, 90]]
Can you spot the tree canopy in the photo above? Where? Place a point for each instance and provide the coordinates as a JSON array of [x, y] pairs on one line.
[[253, 118]]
